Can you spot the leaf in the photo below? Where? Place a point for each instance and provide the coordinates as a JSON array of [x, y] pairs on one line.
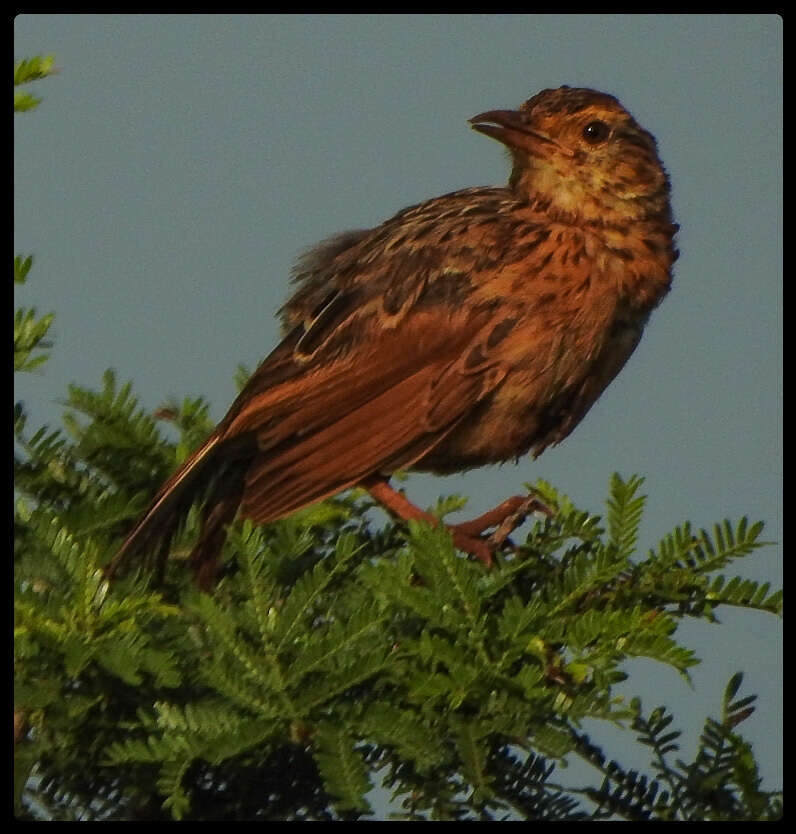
[[22, 267], [624, 514], [29, 335], [32, 69], [343, 771]]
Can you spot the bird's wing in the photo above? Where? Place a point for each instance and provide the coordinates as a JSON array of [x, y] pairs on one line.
[[385, 353], [378, 406], [388, 352]]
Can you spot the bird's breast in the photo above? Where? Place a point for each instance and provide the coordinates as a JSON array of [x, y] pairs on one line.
[[561, 347]]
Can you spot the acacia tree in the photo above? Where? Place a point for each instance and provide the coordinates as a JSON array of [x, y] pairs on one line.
[[334, 655]]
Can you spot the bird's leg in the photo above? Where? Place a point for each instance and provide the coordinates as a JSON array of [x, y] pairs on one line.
[[466, 536], [401, 506]]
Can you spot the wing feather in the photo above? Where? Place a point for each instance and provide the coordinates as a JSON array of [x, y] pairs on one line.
[[384, 355], [385, 433], [380, 409]]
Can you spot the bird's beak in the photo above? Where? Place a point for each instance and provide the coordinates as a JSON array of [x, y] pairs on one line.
[[512, 129]]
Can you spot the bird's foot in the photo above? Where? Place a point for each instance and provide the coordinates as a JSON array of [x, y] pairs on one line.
[[506, 517], [467, 536]]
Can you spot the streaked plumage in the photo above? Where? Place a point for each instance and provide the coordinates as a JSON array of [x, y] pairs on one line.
[[466, 330]]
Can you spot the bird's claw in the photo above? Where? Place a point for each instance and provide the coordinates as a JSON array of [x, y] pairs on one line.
[[506, 518]]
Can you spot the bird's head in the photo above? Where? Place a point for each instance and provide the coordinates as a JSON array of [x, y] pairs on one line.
[[583, 152]]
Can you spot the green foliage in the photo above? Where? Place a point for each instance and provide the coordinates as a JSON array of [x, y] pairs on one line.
[[29, 70], [242, 374], [367, 652], [29, 331], [22, 267], [72, 636], [720, 783], [335, 655]]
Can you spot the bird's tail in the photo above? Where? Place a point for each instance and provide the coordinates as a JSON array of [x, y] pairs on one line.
[[213, 473]]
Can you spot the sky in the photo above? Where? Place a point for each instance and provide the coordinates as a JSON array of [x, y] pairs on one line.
[[179, 164]]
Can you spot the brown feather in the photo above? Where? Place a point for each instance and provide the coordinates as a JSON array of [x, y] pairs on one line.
[[465, 330], [389, 431]]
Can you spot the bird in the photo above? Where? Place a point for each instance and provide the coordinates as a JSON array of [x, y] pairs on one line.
[[469, 329]]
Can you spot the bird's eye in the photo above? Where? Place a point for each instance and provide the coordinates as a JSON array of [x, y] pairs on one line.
[[595, 132]]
